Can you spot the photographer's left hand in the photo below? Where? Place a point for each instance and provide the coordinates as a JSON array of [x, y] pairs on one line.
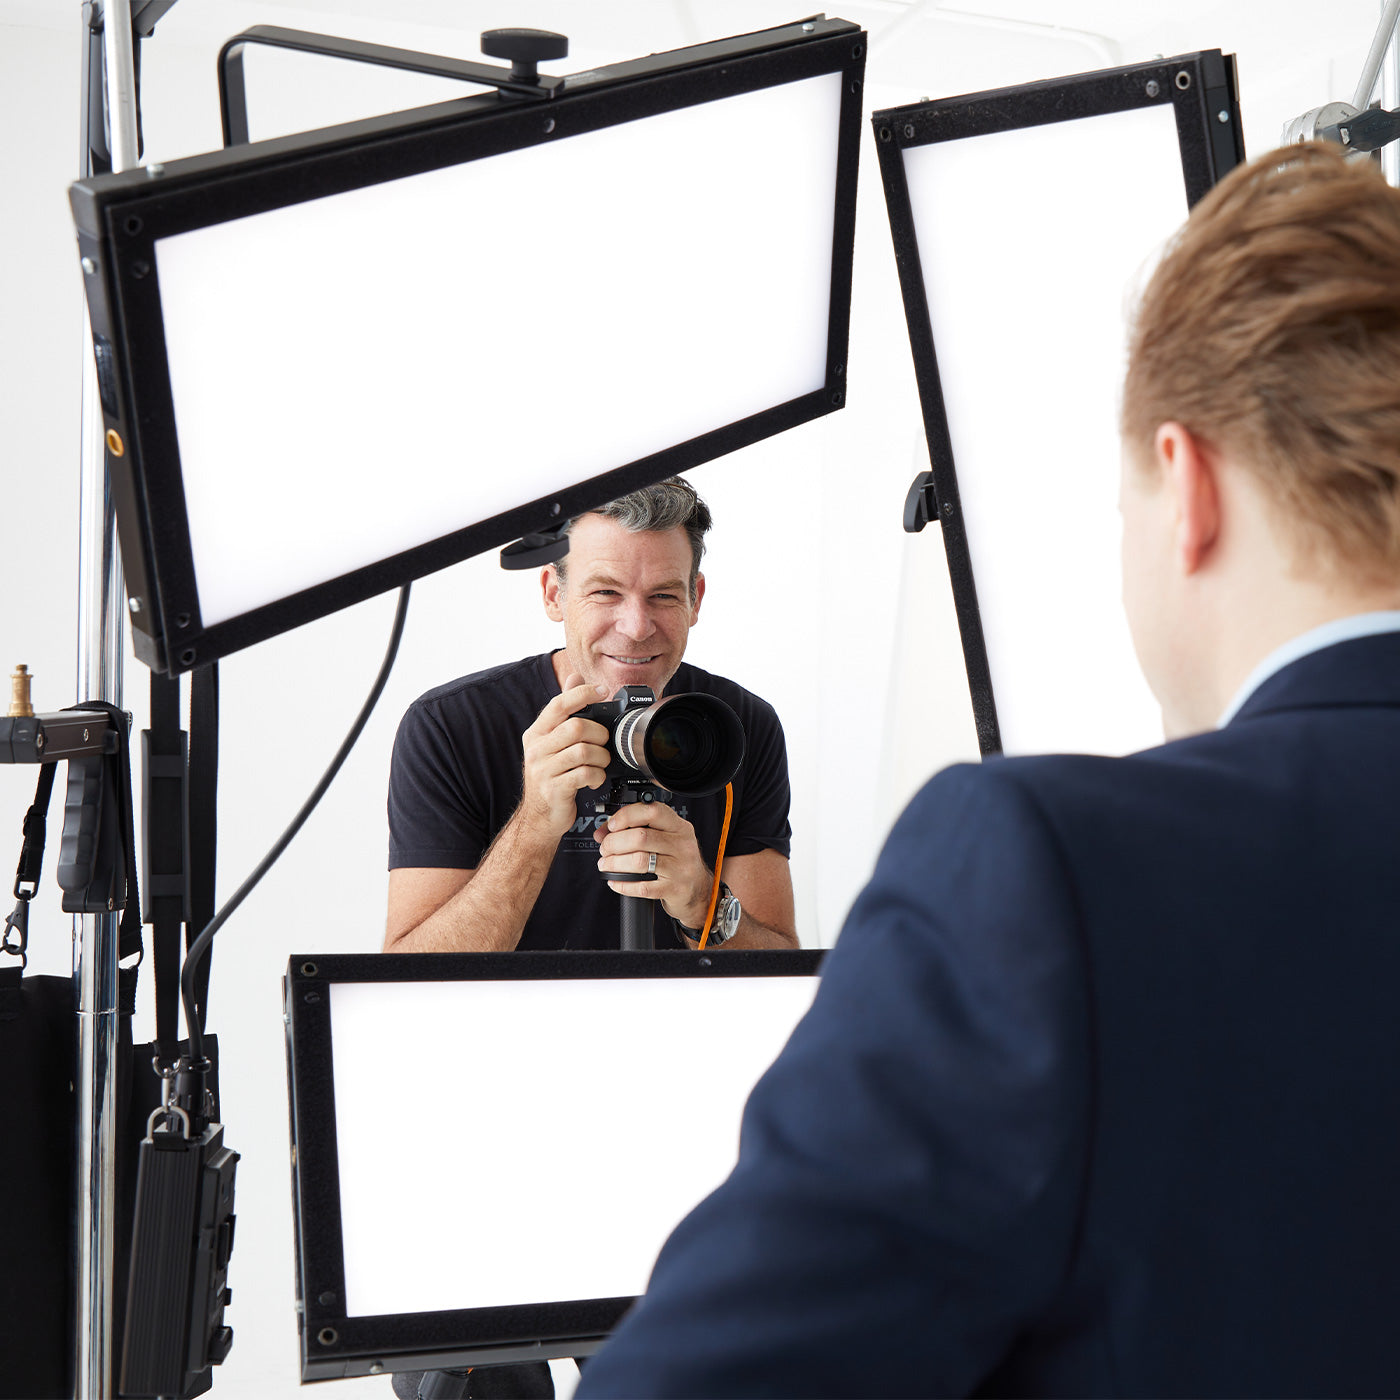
[[682, 881]]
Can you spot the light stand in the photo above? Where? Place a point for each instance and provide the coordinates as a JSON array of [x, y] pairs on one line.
[[109, 83]]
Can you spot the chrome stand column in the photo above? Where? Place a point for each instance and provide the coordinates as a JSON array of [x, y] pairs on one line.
[[1390, 100], [101, 604]]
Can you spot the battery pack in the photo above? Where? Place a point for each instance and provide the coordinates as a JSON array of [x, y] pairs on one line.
[[181, 1243]]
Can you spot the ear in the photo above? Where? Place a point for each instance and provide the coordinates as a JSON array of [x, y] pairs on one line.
[[1191, 475], [552, 590], [699, 598]]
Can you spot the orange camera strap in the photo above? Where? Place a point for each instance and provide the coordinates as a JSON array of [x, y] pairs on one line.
[[719, 862]]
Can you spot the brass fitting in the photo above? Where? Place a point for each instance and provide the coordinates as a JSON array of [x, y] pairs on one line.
[[20, 706]]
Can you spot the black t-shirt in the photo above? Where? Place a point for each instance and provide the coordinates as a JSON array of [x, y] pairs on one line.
[[456, 780]]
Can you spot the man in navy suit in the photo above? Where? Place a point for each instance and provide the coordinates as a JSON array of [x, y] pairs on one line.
[[1101, 1090]]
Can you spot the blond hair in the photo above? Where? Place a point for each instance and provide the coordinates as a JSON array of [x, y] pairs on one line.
[[1271, 330]]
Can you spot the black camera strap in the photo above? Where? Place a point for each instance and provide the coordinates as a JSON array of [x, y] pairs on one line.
[[204, 816], [167, 887], [31, 864], [129, 937], [181, 792], [31, 860]]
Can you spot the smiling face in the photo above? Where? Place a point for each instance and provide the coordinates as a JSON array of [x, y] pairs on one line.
[[626, 605]]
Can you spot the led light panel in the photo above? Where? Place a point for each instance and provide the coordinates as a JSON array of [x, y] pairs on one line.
[[1024, 221], [449, 345], [513, 1183], [339, 361]]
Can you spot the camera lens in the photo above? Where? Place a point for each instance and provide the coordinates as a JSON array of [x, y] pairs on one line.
[[679, 744], [689, 744]]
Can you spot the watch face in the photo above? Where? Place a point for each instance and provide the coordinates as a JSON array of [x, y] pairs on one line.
[[727, 916]]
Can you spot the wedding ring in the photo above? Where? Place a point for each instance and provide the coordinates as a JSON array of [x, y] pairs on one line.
[[651, 864]]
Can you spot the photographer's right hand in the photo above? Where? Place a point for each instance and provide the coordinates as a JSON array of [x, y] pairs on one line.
[[563, 753]]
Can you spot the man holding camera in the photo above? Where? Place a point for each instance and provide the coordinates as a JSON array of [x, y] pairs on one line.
[[495, 841], [1098, 1093]]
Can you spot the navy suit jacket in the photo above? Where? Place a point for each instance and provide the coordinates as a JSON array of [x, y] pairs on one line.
[[1100, 1093]]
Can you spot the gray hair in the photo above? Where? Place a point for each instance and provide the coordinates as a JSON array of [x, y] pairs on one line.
[[668, 505]]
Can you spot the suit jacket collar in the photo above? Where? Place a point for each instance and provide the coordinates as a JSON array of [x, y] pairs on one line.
[[1364, 671]]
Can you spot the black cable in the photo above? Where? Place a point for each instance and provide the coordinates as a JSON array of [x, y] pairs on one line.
[[201, 944]]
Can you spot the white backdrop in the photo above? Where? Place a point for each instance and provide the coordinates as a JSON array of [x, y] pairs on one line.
[[816, 599]]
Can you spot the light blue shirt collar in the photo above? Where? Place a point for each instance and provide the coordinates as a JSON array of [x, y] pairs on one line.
[[1343, 629]]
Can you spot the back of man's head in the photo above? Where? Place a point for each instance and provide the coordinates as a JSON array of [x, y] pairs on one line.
[[1271, 330], [668, 505]]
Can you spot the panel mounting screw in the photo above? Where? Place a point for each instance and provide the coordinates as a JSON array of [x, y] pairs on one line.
[[808, 27], [134, 604], [1153, 87], [1223, 117], [154, 169], [1344, 133], [1183, 80], [89, 266], [328, 1336], [909, 131]]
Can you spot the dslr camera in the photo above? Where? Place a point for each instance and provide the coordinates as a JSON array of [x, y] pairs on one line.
[[691, 745]]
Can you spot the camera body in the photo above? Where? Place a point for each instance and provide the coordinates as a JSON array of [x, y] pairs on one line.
[[613, 714], [690, 744]]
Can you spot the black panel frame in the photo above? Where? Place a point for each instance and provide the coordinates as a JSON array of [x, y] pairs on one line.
[[120, 217], [334, 1346], [1200, 86]]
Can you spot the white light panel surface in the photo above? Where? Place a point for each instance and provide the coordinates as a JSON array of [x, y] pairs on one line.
[[367, 372], [1031, 243], [535, 1142]]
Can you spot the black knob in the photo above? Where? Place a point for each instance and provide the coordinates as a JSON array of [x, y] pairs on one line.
[[525, 48]]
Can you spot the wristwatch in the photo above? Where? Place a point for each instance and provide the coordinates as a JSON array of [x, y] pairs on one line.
[[725, 922]]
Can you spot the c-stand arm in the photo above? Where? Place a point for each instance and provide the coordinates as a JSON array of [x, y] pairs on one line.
[[1359, 125]]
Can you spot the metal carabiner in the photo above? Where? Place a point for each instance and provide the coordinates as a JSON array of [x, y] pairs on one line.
[[168, 1111], [17, 923]]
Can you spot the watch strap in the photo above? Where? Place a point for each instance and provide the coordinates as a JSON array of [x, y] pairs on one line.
[[716, 936]]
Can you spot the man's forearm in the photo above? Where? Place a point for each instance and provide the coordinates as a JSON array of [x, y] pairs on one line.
[[488, 914], [752, 934]]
